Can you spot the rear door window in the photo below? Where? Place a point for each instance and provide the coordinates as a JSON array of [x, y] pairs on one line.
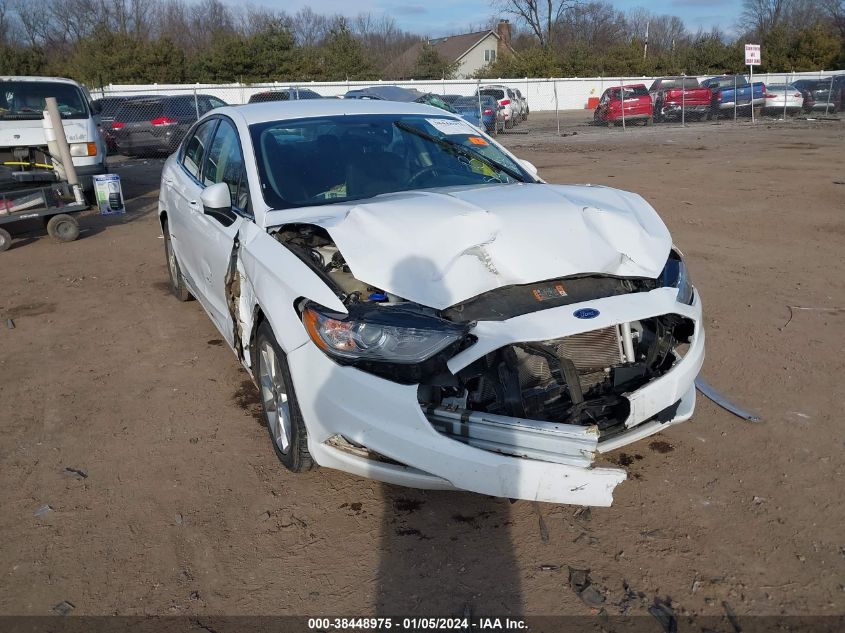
[[195, 147], [134, 111], [184, 108]]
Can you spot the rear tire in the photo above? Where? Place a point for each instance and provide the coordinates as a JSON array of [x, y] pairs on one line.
[[63, 227], [177, 281], [5, 240], [279, 404]]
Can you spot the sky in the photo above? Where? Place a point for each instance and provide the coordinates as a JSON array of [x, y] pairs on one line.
[[436, 18]]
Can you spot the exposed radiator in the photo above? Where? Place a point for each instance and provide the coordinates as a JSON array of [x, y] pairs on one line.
[[592, 350]]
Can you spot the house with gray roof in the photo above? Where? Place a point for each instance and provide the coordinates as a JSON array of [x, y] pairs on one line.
[[471, 51]]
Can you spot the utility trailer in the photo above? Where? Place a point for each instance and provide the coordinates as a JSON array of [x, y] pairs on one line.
[[54, 203]]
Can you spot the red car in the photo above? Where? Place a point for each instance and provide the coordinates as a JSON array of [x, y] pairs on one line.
[[638, 106], [670, 95]]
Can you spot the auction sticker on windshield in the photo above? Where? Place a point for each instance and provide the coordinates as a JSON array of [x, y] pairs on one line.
[[452, 127]]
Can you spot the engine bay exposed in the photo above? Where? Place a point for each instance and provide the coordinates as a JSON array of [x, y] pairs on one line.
[[313, 245], [577, 380]]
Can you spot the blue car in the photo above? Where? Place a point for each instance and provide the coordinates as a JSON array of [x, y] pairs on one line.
[[492, 118]]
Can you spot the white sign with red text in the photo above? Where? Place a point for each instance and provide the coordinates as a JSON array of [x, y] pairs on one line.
[[752, 54]]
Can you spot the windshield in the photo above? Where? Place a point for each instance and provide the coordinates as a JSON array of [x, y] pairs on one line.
[[468, 103], [334, 159], [630, 92], [493, 92], [23, 100], [674, 83]]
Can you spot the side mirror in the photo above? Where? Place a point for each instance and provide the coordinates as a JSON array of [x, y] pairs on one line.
[[96, 107], [217, 203], [528, 166]]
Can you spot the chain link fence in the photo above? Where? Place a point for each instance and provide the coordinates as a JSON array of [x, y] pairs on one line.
[[142, 120]]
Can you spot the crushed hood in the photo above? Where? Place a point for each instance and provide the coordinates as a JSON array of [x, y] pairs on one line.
[[441, 247]]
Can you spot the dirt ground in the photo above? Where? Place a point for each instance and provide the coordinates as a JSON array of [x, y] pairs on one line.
[[183, 508]]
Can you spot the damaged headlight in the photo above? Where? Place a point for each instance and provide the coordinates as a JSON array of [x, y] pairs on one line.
[[382, 333], [675, 275]]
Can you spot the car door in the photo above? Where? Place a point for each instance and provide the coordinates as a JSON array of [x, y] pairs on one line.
[[213, 236], [183, 187]]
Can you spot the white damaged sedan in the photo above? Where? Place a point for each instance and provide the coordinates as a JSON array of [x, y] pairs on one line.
[[416, 306]]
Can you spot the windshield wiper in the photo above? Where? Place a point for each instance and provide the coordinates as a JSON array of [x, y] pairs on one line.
[[452, 146]]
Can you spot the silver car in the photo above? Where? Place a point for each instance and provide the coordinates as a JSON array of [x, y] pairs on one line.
[[507, 99], [780, 96]]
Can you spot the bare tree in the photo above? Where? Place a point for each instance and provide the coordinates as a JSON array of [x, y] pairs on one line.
[[763, 15], [540, 16], [212, 16], [308, 27], [34, 18], [4, 21], [835, 10], [595, 24]]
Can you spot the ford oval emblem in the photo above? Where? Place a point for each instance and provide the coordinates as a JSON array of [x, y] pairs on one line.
[[586, 313]]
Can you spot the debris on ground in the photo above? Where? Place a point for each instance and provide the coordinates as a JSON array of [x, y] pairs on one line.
[[43, 510], [544, 529], [64, 608], [549, 567], [707, 390], [731, 617], [629, 599], [583, 513], [10, 324], [812, 309], [80, 474], [696, 583], [664, 613], [581, 584], [179, 518]]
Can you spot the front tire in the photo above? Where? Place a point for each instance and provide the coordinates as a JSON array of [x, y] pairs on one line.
[[279, 404], [177, 281], [63, 227]]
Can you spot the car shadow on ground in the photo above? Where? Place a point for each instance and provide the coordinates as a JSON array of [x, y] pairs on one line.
[[444, 553]]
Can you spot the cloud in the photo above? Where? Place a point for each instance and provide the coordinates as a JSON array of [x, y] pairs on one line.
[[405, 9], [700, 3]]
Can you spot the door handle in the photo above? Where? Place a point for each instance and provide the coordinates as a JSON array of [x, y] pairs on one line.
[[168, 181], [193, 203]]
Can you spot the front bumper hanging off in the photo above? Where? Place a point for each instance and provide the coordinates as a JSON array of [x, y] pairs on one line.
[[376, 428]]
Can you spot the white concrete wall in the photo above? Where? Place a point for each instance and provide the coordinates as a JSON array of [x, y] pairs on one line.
[[542, 94]]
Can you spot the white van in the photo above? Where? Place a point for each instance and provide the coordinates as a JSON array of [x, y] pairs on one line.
[[23, 146]]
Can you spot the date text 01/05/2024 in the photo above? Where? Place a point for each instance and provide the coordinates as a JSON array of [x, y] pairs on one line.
[[415, 624]]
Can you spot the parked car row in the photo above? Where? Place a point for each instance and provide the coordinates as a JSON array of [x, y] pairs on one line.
[[155, 124], [672, 97]]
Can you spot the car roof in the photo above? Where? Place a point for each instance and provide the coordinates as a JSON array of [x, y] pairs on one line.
[[63, 80], [253, 113], [385, 93], [278, 90]]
